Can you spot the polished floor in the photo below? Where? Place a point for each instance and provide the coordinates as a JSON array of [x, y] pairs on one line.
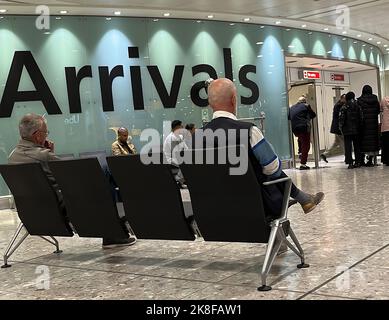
[[346, 241]]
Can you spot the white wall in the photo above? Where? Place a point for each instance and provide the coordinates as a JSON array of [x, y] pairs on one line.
[[359, 79]]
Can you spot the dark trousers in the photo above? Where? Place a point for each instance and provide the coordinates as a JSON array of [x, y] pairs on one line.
[[350, 142], [385, 147], [304, 144]]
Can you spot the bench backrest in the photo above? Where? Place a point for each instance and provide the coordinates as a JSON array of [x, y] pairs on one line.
[[151, 198], [36, 200], [226, 207], [88, 198]]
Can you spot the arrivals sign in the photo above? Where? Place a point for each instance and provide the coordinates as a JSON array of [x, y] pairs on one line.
[[312, 74], [337, 77]]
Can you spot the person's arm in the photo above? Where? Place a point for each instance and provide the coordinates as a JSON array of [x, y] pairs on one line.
[[312, 114], [264, 152], [115, 149]]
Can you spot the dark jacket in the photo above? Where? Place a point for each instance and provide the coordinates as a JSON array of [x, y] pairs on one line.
[[335, 119], [371, 109], [301, 115], [350, 118]]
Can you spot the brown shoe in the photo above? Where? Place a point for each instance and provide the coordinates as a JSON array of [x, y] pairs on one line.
[[311, 205]]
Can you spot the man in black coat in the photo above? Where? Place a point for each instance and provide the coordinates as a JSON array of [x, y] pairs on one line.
[[369, 135], [337, 147], [350, 123]]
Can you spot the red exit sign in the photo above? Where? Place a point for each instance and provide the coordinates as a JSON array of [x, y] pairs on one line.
[[312, 74], [337, 77]]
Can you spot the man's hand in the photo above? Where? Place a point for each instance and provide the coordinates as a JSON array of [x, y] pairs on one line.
[[49, 145]]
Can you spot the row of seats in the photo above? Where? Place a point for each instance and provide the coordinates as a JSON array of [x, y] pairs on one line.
[[226, 208]]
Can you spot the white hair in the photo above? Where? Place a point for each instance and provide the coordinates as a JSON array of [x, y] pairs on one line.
[[29, 124]]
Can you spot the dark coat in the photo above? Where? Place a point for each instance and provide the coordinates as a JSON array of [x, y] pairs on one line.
[[371, 109], [335, 118], [350, 118], [301, 115]]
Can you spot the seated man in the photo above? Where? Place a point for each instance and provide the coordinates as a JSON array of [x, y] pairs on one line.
[[34, 147], [121, 145], [222, 99]]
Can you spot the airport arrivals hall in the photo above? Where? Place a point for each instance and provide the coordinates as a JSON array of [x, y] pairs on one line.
[[194, 151]]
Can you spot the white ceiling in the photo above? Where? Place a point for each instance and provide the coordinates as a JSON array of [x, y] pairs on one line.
[[325, 65], [368, 18]]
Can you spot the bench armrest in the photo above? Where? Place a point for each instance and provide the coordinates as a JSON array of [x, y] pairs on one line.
[[285, 201]]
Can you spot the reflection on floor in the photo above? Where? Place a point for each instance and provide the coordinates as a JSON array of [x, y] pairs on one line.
[[346, 241]]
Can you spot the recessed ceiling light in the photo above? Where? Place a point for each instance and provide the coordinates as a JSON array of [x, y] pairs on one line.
[[166, 14], [326, 29], [210, 16], [385, 45], [304, 26], [47, 32], [232, 24], [1, 17], [359, 35], [3, 10], [259, 42], [63, 12], [329, 51], [379, 42], [370, 39], [387, 49], [287, 29], [246, 19], [198, 21], [355, 42], [344, 32], [58, 18], [155, 20], [344, 39], [310, 32], [117, 13], [364, 45], [262, 27], [278, 22]]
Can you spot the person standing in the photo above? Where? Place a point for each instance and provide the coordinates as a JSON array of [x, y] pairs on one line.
[[350, 123], [385, 130], [337, 147], [300, 116], [369, 135]]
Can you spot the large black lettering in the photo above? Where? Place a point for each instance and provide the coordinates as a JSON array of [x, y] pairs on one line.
[[168, 100], [228, 64], [198, 86], [106, 81], [73, 80], [136, 80], [11, 94], [249, 84]]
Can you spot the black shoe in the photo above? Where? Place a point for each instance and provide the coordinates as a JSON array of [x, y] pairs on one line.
[[115, 243], [304, 167], [350, 166], [324, 158]]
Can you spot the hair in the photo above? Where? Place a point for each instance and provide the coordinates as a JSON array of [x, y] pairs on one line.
[[122, 129], [29, 124], [176, 123], [367, 90], [302, 99], [190, 126], [350, 96], [343, 96]]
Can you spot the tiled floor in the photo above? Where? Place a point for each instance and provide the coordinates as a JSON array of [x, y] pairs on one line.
[[346, 241]]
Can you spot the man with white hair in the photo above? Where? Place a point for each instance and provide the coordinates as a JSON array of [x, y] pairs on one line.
[[300, 116], [222, 97], [34, 147]]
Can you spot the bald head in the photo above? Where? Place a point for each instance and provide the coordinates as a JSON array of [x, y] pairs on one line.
[[222, 95], [122, 134]]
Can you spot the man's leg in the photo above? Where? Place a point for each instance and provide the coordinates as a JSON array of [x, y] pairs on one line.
[[348, 150], [305, 146], [307, 201], [357, 150]]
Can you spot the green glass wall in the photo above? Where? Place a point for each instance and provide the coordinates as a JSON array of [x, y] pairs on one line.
[[79, 41]]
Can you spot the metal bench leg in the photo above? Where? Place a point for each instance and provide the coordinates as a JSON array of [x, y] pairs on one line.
[[300, 251], [271, 252], [54, 243], [9, 251]]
